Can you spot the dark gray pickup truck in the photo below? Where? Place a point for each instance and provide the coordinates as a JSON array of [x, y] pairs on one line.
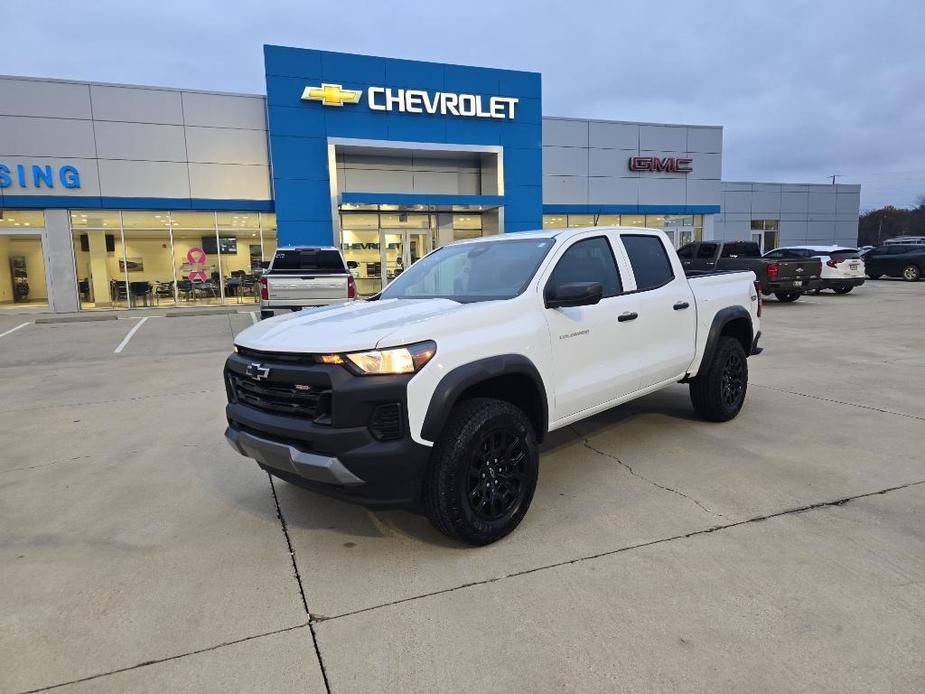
[[785, 279]]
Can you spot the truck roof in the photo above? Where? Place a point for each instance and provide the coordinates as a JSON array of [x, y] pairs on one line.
[[558, 233]]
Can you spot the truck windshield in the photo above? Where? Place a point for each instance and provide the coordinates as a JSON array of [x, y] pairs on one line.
[[469, 272], [316, 260]]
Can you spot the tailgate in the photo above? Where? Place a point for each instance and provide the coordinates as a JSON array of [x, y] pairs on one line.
[[298, 287], [798, 269]]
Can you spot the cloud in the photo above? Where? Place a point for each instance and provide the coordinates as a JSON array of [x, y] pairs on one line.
[[803, 89]]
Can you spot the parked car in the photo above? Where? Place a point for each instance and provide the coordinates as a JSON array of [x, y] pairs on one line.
[[435, 393], [785, 279], [842, 268], [896, 260], [305, 276]]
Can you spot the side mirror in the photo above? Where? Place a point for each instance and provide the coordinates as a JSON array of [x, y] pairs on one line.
[[575, 294], [352, 264]]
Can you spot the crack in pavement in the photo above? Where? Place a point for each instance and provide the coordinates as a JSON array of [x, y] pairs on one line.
[[839, 402], [167, 659], [587, 444], [298, 578], [620, 550]]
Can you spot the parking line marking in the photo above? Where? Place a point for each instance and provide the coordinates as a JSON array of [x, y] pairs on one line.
[[131, 333], [13, 330], [253, 319]]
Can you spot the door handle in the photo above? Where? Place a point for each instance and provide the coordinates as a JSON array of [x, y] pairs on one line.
[[681, 305], [629, 315]]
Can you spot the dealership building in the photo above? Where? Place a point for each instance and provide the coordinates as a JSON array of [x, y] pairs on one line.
[[126, 196]]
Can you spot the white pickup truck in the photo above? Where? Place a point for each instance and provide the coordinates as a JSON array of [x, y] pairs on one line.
[[435, 393], [305, 276]]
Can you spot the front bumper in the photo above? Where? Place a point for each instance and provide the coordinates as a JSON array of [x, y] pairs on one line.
[[339, 452]]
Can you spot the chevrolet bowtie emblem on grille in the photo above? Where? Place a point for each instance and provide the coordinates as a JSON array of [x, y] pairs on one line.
[[332, 94], [258, 371]]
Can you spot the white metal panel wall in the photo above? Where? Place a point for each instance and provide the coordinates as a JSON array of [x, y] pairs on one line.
[[587, 162], [808, 213], [135, 141]]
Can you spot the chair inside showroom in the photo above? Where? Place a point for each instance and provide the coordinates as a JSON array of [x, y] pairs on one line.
[[185, 288], [140, 291], [201, 289], [117, 291], [163, 290]]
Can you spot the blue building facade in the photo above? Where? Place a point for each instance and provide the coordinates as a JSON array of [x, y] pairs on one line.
[[399, 108]]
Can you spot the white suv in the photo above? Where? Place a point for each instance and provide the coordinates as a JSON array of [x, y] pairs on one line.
[[842, 267]]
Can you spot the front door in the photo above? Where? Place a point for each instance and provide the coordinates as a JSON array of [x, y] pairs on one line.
[[400, 248], [594, 348]]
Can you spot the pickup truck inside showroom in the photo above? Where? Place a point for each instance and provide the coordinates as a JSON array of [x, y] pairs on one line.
[[436, 393]]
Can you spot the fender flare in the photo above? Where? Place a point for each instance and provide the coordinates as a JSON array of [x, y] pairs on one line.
[[460, 379], [722, 318]]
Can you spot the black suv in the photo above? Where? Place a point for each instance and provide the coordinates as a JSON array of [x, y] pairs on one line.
[[896, 260]]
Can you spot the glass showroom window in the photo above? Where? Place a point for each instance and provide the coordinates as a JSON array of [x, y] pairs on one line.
[[555, 221], [360, 245], [22, 262], [467, 225], [162, 258]]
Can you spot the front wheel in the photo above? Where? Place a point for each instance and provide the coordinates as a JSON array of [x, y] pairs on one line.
[[912, 273], [718, 391], [787, 297], [844, 289], [483, 472]]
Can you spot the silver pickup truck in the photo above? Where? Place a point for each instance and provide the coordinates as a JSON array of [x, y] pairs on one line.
[[305, 276]]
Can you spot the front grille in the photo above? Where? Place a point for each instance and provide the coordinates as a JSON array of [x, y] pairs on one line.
[[298, 400], [289, 357]]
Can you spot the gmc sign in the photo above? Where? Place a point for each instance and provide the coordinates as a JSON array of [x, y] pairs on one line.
[[668, 164]]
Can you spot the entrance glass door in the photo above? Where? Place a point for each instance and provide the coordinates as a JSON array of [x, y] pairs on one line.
[[401, 248]]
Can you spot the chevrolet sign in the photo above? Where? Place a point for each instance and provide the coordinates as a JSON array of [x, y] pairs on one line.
[[416, 101]]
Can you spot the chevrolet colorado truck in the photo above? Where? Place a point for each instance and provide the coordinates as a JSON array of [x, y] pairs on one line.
[[305, 276], [435, 393], [786, 279]]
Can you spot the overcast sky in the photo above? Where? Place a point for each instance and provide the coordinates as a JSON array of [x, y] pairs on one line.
[[804, 89]]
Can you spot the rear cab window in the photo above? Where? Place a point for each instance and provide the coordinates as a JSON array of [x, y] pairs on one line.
[[649, 261], [318, 261], [741, 249]]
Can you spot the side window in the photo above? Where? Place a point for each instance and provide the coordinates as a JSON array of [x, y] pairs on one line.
[[649, 261], [686, 252], [590, 260], [706, 251], [775, 255]]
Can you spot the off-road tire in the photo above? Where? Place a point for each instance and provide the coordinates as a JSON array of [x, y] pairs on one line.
[[454, 465], [844, 289], [912, 273], [787, 297], [709, 390]]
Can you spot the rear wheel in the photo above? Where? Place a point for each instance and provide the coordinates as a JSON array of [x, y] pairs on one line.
[[483, 472], [718, 392], [844, 289], [787, 297], [912, 273]]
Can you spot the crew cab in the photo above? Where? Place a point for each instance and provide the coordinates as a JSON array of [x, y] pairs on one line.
[[896, 260], [785, 279], [842, 268], [305, 276], [435, 393]]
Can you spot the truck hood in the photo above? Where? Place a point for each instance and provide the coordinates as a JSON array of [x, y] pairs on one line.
[[342, 327]]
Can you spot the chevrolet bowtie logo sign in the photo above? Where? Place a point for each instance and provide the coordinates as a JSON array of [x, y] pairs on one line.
[[332, 94]]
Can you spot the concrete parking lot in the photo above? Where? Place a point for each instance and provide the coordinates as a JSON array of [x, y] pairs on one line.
[[782, 551]]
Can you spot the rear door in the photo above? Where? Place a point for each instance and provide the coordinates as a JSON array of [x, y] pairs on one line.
[[704, 257], [667, 316], [306, 275], [595, 349]]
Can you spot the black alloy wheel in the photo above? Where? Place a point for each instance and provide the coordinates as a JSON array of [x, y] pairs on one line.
[[787, 297], [733, 379], [496, 474]]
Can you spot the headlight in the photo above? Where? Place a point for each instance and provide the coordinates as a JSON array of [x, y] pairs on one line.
[[398, 360]]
